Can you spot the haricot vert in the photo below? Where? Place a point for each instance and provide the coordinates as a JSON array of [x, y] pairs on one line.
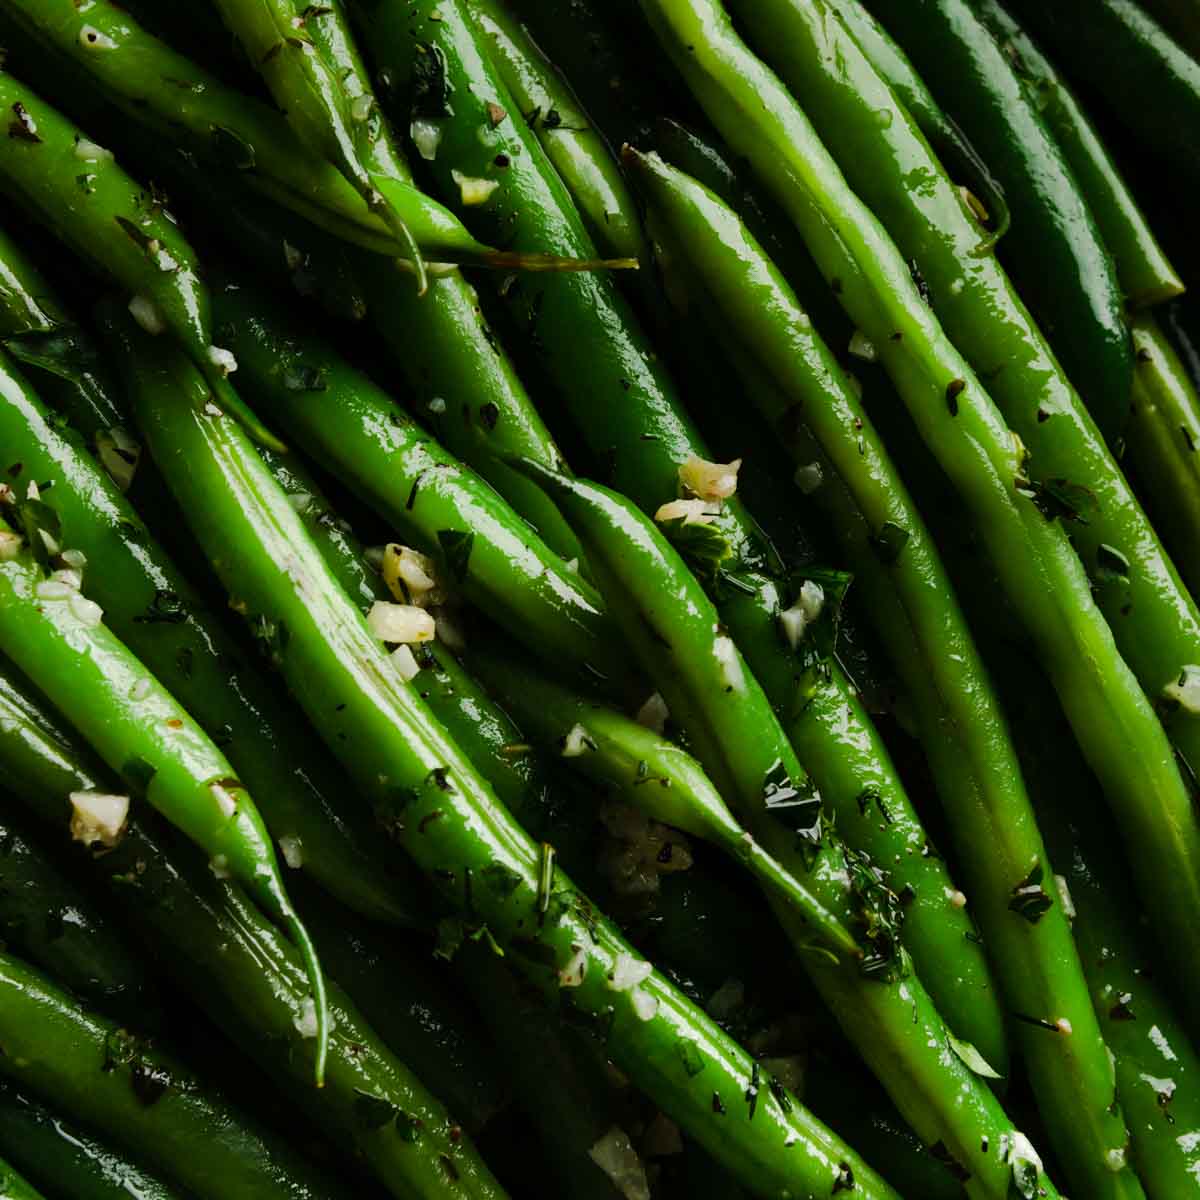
[[1016, 517], [674, 632], [56, 636], [158, 613], [993, 823], [634, 425], [441, 811]]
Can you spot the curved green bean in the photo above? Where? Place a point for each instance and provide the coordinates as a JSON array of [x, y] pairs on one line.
[[1143, 269], [578, 152], [48, 920], [54, 634], [673, 630], [1043, 580], [75, 188], [66, 1160], [158, 614], [442, 813]]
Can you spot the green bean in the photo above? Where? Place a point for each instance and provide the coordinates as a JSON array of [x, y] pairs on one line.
[[330, 113], [648, 771], [444, 815], [55, 635], [151, 606], [949, 142], [1147, 80], [47, 919], [14, 1187], [76, 189], [139, 1096], [1164, 443], [1060, 264], [1145, 273], [157, 88], [251, 983], [654, 438], [578, 152], [673, 630], [1155, 622], [358, 432], [64, 1159], [1042, 577], [1182, 18]]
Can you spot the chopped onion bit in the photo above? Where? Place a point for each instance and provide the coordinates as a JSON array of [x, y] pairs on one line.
[[146, 314], [474, 191], [573, 971], [795, 621], [615, 1156], [405, 663], [410, 576], [710, 480], [292, 849], [693, 512], [862, 347], [654, 714], [426, 136], [576, 742], [726, 653], [305, 1020], [628, 972], [404, 623], [10, 545], [98, 817]]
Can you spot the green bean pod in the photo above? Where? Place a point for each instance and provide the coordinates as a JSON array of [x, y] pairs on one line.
[[330, 113], [997, 835], [444, 815], [651, 434], [153, 609], [64, 1159], [647, 771], [15, 1187], [252, 985], [577, 151], [1059, 263], [162, 90], [1182, 18], [55, 636], [47, 919], [1164, 443], [59, 356], [75, 188], [358, 432], [1157, 1067], [1154, 620], [139, 1096], [986, 465], [949, 143], [675, 633], [1144, 271], [1148, 81]]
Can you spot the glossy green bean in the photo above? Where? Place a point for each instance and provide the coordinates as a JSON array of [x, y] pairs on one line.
[[61, 1157], [1155, 622], [157, 612], [251, 983], [330, 112], [949, 142], [1144, 271], [164, 91], [444, 815], [357, 431], [1149, 83], [578, 152], [654, 438], [1042, 576], [75, 188], [1182, 18], [1060, 264], [47, 919], [673, 630], [1164, 443], [140, 1097], [996, 836], [647, 771], [55, 636]]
